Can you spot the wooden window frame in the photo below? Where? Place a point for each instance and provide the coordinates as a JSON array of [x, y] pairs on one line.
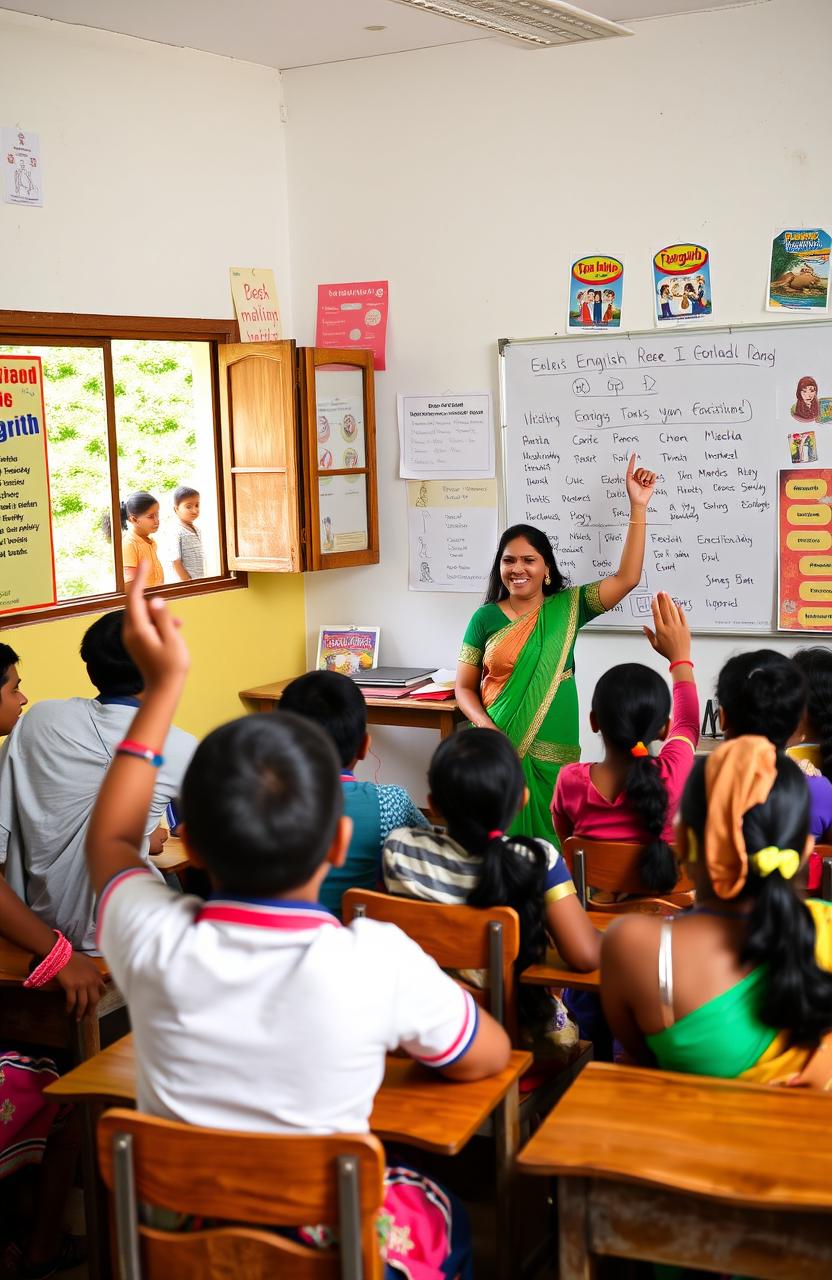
[[54, 328]]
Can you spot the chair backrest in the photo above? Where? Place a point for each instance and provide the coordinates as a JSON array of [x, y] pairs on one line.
[[248, 1182], [615, 867], [824, 851], [458, 937]]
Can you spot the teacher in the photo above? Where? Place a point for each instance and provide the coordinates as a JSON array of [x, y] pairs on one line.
[[515, 668]]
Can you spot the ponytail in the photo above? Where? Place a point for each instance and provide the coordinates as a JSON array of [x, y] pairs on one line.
[[631, 704]]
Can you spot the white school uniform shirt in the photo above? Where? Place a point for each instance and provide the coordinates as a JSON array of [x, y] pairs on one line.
[[270, 1015]]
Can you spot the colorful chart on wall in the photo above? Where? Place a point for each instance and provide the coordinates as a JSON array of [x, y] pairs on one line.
[[596, 294], [682, 284], [805, 543], [27, 561], [798, 278], [354, 315]]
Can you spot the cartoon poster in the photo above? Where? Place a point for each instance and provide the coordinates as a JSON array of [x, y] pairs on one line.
[[596, 289], [682, 284], [27, 561], [804, 596], [807, 404], [255, 301], [803, 447], [354, 315], [798, 278], [22, 180]]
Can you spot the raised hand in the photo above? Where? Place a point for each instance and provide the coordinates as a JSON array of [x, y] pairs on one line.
[[640, 483], [152, 636], [671, 637]]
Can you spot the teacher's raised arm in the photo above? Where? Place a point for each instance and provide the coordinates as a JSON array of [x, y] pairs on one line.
[[516, 669]]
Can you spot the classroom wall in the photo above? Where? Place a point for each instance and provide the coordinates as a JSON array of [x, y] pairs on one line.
[[161, 168], [476, 171]]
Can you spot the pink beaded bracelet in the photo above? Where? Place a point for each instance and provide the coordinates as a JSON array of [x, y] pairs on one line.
[[58, 957]]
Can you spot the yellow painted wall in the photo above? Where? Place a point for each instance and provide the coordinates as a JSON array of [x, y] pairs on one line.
[[237, 639]]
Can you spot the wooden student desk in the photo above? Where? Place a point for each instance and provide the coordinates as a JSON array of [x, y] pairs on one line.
[[554, 973], [402, 713], [411, 1106], [689, 1171]]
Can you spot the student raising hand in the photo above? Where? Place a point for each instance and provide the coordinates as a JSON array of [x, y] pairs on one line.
[[152, 637], [671, 637]]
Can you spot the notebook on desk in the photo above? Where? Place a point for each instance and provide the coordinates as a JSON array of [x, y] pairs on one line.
[[392, 677]]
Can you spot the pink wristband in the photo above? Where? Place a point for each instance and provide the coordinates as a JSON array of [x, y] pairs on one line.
[[58, 957], [681, 662]]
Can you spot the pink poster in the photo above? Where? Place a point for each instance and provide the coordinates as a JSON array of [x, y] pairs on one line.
[[353, 315]]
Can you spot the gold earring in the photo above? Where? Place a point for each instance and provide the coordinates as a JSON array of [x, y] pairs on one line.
[[547, 580]]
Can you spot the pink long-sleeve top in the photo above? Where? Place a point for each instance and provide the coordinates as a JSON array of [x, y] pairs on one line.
[[578, 803]]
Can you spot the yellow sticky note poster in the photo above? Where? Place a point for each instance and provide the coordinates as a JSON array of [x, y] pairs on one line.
[[255, 301], [27, 560]]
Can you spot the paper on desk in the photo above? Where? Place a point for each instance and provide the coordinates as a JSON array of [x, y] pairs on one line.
[[444, 676]]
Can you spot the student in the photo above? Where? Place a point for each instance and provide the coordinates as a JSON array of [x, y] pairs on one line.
[[257, 1010], [477, 786], [50, 770], [631, 795], [811, 746], [26, 1134], [739, 986], [188, 560], [140, 518], [336, 703]]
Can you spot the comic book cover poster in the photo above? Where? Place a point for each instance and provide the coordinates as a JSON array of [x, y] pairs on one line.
[[596, 291], [798, 277], [347, 650], [682, 284]]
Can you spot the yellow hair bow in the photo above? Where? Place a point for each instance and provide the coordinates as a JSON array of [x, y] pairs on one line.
[[786, 861]]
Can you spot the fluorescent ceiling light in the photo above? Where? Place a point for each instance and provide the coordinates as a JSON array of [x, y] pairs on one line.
[[539, 23]]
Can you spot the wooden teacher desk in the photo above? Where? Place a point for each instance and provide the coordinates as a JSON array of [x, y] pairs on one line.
[[401, 713]]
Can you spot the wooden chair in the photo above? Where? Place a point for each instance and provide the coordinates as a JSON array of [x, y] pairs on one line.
[[615, 867], [260, 1181], [825, 852], [457, 938]]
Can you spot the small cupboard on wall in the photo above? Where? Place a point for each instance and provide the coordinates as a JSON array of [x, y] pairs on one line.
[[299, 457]]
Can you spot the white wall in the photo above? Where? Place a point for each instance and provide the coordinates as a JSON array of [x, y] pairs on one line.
[[161, 168], [477, 169]]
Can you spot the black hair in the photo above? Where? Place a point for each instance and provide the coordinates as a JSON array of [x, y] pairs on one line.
[[138, 504], [109, 665], [816, 666], [761, 693], [335, 703], [781, 932], [496, 591], [182, 492], [8, 658], [631, 703], [261, 800], [476, 783]]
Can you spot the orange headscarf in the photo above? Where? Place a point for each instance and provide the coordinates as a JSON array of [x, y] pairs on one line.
[[738, 776]]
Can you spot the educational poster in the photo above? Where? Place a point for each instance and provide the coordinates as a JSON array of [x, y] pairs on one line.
[[446, 436], [682, 284], [804, 596], [27, 561], [22, 178], [452, 528], [339, 394], [798, 278], [342, 502], [596, 290], [354, 315], [347, 649], [255, 301]]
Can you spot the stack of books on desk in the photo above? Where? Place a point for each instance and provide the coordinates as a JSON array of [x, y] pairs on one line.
[[392, 682]]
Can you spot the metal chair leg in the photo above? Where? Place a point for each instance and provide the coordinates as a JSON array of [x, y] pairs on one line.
[[127, 1217]]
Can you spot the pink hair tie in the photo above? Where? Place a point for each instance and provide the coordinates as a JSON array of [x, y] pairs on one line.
[[495, 835], [50, 965]]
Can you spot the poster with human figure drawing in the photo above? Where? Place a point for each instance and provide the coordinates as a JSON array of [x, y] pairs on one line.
[[22, 180], [452, 528], [682, 284], [798, 278], [596, 291]]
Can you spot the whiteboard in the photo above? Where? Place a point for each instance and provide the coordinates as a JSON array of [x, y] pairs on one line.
[[709, 411]]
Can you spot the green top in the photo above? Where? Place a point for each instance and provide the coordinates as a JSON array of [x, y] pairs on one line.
[[724, 1037], [489, 619]]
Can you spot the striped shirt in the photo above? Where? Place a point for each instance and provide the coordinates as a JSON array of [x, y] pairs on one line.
[[187, 547]]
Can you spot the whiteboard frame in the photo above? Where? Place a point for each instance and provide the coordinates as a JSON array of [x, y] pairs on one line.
[[503, 343]]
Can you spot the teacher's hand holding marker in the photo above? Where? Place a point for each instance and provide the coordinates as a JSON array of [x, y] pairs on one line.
[[515, 669]]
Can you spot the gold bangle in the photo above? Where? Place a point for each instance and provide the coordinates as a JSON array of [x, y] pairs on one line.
[[643, 523]]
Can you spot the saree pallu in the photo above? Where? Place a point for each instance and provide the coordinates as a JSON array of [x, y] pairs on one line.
[[528, 689]]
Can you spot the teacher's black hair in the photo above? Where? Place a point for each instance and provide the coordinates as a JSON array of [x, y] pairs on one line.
[[261, 800], [537, 539], [797, 995], [816, 665], [476, 783], [631, 704], [333, 701], [761, 693], [8, 658]]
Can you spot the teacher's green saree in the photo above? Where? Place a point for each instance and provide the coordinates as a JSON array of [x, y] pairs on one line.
[[527, 687]]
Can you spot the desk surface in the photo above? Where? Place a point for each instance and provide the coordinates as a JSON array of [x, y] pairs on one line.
[[721, 1139], [14, 966], [554, 973], [272, 693], [411, 1106]]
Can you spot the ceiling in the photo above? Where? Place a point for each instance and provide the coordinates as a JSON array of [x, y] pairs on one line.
[[297, 33]]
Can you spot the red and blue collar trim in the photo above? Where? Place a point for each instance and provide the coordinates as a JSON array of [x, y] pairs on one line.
[[347, 775], [288, 915]]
